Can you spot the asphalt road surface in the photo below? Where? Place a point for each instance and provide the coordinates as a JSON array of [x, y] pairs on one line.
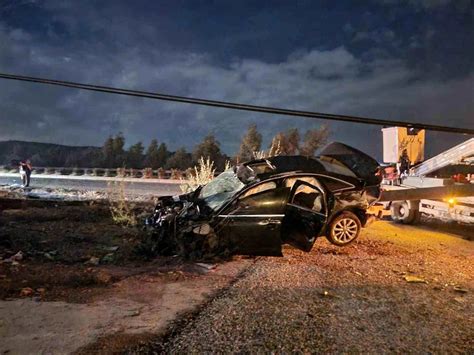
[[138, 187]]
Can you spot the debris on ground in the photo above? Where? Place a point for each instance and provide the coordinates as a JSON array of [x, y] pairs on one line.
[[460, 289], [108, 258], [93, 261], [50, 255], [133, 313], [15, 258], [113, 248], [26, 292], [207, 266], [414, 279]]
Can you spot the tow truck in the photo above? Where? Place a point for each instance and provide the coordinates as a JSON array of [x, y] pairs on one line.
[[441, 187]]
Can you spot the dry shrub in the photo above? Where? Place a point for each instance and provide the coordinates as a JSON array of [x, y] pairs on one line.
[[261, 154], [200, 175], [274, 150], [121, 172], [176, 174], [120, 209]]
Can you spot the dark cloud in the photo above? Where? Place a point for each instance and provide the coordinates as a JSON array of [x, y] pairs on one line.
[[132, 47]]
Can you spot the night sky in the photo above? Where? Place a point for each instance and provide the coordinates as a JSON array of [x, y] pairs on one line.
[[405, 60]]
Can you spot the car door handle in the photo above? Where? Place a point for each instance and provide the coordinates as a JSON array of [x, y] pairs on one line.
[[269, 222]]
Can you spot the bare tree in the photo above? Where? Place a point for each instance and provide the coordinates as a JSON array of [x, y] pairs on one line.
[[292, 141], [288, 143], [314, 139]]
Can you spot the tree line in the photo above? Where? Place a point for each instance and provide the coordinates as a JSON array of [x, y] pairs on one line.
[[158, 156], [155, 156], [113, 153]]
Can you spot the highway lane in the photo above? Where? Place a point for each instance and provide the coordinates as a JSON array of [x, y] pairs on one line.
[[135, 186]]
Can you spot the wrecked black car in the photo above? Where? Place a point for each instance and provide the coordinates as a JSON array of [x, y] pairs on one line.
[[258, 206]]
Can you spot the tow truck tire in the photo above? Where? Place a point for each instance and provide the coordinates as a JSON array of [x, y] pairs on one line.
[[404, 212], [344, 229]]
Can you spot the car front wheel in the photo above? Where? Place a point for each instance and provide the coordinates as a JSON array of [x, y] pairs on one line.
[[344, 229]]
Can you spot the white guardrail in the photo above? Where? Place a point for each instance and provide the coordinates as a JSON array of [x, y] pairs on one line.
[[146, 173]]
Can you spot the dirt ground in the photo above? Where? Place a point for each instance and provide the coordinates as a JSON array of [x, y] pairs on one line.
[[79, 282], [80, 286]]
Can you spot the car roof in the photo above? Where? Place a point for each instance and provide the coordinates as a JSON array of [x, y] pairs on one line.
[[287, 163], [283, 166], [336, 159]]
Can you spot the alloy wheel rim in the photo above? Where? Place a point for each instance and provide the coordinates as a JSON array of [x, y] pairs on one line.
[[345, 230]]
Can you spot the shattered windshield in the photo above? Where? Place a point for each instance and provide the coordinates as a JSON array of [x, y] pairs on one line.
[[221, 189]]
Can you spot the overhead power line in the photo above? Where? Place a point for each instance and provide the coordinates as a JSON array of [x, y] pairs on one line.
[[237, 106]]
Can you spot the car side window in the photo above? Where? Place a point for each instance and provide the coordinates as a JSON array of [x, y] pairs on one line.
[[269, 201], [335, 185], [309, 179], [309, 197], [270, 185]]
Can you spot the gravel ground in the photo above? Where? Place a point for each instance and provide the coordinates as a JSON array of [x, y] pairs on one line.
[[352, 299]]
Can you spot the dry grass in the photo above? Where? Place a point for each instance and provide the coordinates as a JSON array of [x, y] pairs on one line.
[[274, 150], [120, 209], [200, 175]]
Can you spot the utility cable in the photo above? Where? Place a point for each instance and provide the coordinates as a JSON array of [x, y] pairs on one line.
[[237, 106]]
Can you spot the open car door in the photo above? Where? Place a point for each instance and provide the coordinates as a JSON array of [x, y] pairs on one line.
[[305, 215], [253, 223]]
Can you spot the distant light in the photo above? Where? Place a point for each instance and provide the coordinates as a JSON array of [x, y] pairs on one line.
[[451, 201]]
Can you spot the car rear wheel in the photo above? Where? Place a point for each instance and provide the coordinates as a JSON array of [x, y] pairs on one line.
[[344, 229]]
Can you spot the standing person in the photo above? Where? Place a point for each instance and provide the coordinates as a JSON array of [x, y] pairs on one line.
[[404, 163], [29, 168], [25, 173], [22, 170]]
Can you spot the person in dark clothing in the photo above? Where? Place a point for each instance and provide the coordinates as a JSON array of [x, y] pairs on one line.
[[404, 162], [25, 173]]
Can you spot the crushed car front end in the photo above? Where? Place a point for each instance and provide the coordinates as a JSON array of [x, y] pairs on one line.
[[184, 224]]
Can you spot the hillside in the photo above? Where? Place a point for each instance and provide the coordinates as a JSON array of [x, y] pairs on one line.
[[47, 154]]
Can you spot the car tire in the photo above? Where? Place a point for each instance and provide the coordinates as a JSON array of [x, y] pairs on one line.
[[403, 212], [344, 229]]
